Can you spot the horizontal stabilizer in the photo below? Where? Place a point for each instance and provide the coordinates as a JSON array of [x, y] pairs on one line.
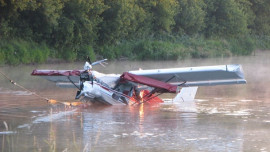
[[62, 78], [67, 85]]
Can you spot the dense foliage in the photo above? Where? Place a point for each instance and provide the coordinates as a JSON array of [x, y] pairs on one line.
[[33, 30]]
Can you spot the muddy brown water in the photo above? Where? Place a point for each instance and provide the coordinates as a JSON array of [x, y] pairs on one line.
[[222, 118]]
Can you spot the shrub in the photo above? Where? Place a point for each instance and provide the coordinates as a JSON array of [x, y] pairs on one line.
[[2, 57], [143, 50], [262, 41], [10, 54], [20, 51], [84, 51], [242, 45], [69, 54]]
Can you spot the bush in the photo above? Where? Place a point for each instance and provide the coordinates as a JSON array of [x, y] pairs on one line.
[[85, 51], [2, 57], [69, 54], [43, 52], [179, 48], [106, 52], [143, 50], [242, 45], [20, 51], [158, 48], [262, 41], [40, 55], [199, 47], [10, 54]]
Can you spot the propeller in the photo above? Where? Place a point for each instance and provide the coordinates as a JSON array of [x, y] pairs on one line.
[[101, 62], [88, 65], [87, 75]]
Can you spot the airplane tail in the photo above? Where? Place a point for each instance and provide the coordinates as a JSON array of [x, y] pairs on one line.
[[185, 99], [186, 94]]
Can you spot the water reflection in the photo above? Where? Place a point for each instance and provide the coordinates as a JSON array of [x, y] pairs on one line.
[[219, 125], [223, 118], [141, 112]]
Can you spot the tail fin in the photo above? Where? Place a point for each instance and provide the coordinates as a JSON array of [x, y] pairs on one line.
[[186, 94]]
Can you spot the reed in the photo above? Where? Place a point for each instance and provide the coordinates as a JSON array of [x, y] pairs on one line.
[[8, 139]]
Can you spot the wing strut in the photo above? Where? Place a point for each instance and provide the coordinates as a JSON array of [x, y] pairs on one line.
[[72, 82], [155, 90]]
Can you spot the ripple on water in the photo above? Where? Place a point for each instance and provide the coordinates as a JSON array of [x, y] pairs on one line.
[[244, 112], [139, 135], [200, 100], [115, 123], [245, 100], [185, 106], [225, 111], [34, 111], [19, 93], [7, 132], [53, 117]]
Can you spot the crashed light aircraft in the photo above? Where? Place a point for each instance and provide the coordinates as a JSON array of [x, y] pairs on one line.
[[141, 86]]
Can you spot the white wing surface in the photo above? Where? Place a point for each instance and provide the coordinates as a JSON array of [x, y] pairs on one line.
[[197, 76], [70, 78]]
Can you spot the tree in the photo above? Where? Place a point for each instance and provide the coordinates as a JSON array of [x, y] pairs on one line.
[[164, 12], [78, 25], [225, 18], [245, 6], [261, 10], [10, 13], [190, 17], [41, 22], [123, 19]]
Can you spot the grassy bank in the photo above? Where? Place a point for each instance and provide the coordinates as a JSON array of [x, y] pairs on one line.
[[174, 48], [19, 51], [169, 48]]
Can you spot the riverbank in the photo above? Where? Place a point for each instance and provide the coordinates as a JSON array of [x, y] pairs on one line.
[[14, 52]]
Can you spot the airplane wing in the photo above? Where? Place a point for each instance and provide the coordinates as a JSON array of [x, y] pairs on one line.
[[70, 78], [62, 78], [186, 77], [197, 76], [58, 75]]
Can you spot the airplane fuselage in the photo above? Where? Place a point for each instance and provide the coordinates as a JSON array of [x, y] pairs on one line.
[[98, 92]]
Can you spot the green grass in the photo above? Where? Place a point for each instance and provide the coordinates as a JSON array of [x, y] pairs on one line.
[[19, 51], [179, 48], [162, 48], [261, 42]]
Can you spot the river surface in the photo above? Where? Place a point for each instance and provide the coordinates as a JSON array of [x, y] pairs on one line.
[[222, 118]]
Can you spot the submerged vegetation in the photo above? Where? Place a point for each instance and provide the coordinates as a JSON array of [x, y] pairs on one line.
[[32, 31]]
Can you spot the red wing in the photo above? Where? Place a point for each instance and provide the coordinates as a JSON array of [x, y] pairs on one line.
[[149, 82]]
